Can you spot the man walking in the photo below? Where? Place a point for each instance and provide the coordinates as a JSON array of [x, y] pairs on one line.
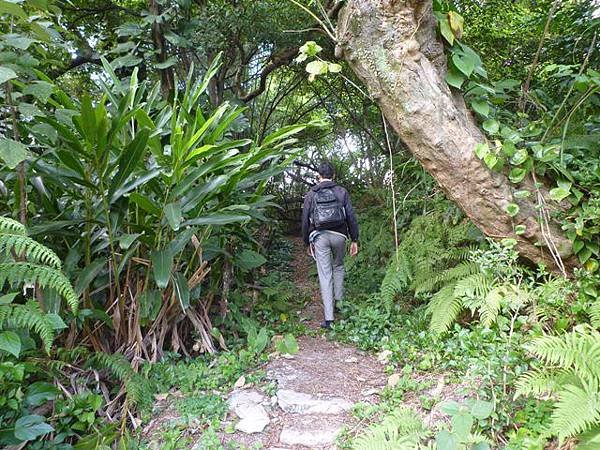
[[328, 220]]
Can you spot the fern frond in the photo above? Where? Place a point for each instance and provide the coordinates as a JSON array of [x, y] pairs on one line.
[[403, 429], [541, 381], [490, 308], [8, 225], [595, 314], [475, 285], [27, 273], [29, 249], [444, 308], [396, 279], [578, 350], [30, 318], [136, 386], [577, 409], [454, 273]]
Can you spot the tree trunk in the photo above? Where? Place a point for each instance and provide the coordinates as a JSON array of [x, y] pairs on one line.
[[393, 48], [167, 82]]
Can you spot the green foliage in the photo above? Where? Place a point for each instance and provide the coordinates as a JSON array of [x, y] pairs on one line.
[[462, 432], [571, 371], [401, 429]]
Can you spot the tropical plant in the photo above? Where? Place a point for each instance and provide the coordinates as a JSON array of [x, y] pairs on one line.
[[571, 372], [401, 429]]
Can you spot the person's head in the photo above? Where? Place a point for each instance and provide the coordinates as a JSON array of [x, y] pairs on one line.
[[326, 170]]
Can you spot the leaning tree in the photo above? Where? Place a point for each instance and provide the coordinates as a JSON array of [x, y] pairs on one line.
[[393, 47]]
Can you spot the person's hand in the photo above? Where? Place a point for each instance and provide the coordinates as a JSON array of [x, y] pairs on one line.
[[354, 249], [309, 251]]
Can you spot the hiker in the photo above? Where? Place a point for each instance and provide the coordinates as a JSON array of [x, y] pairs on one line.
[[328, 220]]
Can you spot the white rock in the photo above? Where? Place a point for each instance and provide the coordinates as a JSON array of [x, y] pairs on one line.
[[238, 397], [300, 403], [254, 418], [312, 434]]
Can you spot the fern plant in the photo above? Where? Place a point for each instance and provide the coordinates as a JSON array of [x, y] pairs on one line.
[[429, 246], [31, 263], [402, 429], [27, 262], [571, 372]]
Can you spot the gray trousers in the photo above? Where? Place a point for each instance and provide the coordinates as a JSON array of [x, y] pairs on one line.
[[329, 249]]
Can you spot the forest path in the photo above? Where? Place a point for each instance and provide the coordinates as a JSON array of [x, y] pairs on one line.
[[315, 388]]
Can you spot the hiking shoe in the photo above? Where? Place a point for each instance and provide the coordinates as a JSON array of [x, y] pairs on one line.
[[327, 324]]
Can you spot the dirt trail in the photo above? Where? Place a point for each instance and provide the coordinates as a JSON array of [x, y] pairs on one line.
[[315, 389]]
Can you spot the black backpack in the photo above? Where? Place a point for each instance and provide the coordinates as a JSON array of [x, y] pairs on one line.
[[327, 211]]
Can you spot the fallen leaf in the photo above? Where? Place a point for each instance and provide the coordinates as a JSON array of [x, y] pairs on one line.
[[241, 381], [393, 379], [384, 356]]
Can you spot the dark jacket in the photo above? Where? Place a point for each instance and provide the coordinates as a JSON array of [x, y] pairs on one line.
[[350, 228]]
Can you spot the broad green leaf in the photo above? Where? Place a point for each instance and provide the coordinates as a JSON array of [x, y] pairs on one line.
[[257, 342], [126, 240], [517, 174], [584, 254], [182, 291], [125, 61], [519, 157], [462, 424], [7, 299], [311, 48], [128, 160], [334, 68], [162, 262], [12, 9], [480, 409], [455, 78], [481, 107], [88, 274], [287, 345], [522, 194], [10, 342], [464, 63], [18, 41], [490, 160], [28, 428], [173, 215], [54, 319], [12, 152], [40, 90], [481, 150], [166, 64], [456, 23], [491, 126], [446, 441], [481, 446], [150, 303], [316, 67], [450, 407], [512, 209], [578, 245], [520, 229], [39, 393], [446, 30], [217, 219], [558, 194], [249, 259]]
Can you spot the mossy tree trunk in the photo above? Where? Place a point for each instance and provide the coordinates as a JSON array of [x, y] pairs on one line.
[[393, 48]]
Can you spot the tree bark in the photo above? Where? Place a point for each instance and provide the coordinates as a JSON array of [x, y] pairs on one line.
[[393, 48], [167, 81]]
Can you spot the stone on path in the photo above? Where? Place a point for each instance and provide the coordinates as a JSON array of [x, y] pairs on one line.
[[301, 403], [246, 405], [312, 432]]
